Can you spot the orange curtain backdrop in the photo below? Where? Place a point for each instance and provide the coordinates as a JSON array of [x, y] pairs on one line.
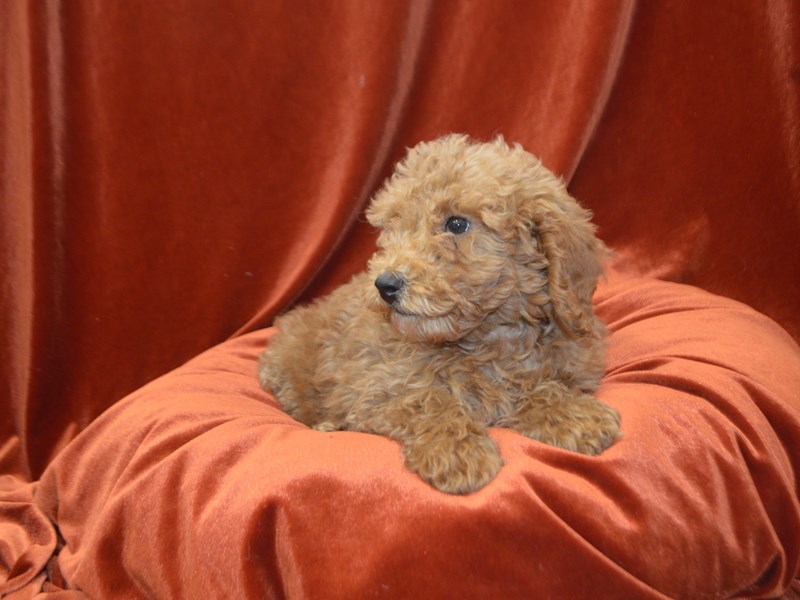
[[177, 173]]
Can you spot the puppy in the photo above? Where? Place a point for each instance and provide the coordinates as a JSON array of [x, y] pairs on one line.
[[475, 312]]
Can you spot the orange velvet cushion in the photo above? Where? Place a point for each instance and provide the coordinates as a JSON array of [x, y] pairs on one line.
[[199, 485]]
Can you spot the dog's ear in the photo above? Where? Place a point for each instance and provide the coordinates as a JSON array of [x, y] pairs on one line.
[[575, 256], [562, 256], [559, 256]]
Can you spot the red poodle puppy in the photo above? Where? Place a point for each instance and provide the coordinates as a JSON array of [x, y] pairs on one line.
[[476, 311]]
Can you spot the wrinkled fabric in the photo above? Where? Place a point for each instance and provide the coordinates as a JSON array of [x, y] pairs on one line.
[[198, 485], [174, 175]]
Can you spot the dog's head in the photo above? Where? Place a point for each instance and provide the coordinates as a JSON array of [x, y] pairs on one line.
[[481, 234]]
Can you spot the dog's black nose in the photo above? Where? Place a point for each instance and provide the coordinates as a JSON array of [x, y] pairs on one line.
[[389, 286]]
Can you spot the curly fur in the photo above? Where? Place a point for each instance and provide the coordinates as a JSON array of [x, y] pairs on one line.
[[492, 326]]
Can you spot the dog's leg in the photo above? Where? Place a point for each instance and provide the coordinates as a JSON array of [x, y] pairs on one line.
[[445, 444], [565, 418]]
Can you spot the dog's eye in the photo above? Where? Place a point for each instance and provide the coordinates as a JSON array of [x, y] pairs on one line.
[[457, 225]]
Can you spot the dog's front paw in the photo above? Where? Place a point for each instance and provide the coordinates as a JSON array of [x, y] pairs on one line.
[[455, 466], [598, 429], [583, 425]]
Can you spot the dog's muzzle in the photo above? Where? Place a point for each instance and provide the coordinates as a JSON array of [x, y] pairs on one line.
[[390, 285]]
